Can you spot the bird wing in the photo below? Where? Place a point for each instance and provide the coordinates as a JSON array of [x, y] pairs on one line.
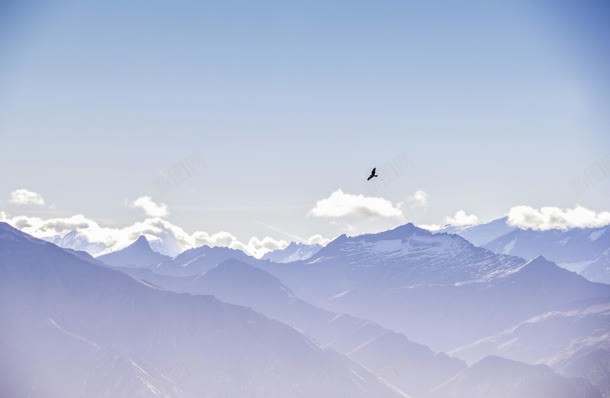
[[374, 170]]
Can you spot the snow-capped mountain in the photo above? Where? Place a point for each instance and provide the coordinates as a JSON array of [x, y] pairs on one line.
[[572, 342], [138, 254], [471, 310], [292, 252], [404, 257], [495, 377], [423, 284], [412, 367], [481, 234], [598, 270], [73, 240], [574, 249], [130, 339], [583, 250]]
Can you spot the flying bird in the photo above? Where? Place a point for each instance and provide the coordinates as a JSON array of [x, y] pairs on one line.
[[373, 173]]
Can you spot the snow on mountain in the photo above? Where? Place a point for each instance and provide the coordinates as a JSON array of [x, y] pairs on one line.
[[423, 284], [412, 367], [481, 234], [583, 250], [404, 257], [292, 252], [73, 240], [107, 320], [495, 377], [573, 342], [138, 254], [563, 246], [574, 249], [598, 270]]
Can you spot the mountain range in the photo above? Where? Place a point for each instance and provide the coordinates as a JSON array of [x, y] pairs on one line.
[[74, 328], [411, 367], [356, 318], [574, 342], [583, 250], [473, 292], [399, 278], [292, 252], [138, 254]]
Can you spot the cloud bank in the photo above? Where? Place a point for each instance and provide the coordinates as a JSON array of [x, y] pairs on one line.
[[462, 219], [545, 218], [81, 233]]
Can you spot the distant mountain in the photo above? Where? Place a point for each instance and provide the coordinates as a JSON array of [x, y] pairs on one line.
[[582, 250], [406, 256], [138, 254], [165, 243], [481, 234], [292, 252], [574, 249], [598, 270], [73, 240], [412, 367], [574, 343], [199, 260], [71, 328], [495, 377], [424, 284]]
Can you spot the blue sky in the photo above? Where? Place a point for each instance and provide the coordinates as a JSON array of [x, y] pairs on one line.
[[496, 104]]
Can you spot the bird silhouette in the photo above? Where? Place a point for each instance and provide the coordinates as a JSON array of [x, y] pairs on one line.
[[373, 173]]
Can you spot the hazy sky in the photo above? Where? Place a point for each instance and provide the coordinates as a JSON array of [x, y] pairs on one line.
[[495, 103]]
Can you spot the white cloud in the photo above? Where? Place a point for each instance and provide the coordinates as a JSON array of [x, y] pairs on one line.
[[461, 219], [418, 199], [165, 237], [317, 240], [546, 218], [25, 197], [341, 205], [150, 208], [265, 245], [430, 227], [255, 246]]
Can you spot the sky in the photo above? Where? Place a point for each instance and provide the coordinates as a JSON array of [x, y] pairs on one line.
[[262, 120]]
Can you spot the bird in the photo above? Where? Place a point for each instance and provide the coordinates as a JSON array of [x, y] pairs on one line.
[[373, 173]]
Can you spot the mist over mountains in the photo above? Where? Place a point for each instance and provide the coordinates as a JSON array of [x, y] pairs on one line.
[[405, 312]]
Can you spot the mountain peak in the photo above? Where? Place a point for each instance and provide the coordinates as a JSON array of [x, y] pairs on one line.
[[407, 229], [539, 261], [295, 251], [142, 241], [137, 254], [541, 268], [400, 232]]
